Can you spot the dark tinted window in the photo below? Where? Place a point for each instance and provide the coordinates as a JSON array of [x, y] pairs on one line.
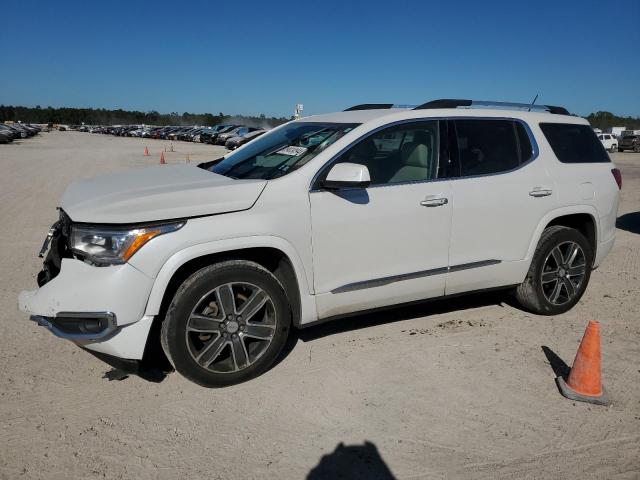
[[403, 153], [488, 146], [524, 143], [574, 143]]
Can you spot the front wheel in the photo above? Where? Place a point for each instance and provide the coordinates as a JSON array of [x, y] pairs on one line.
[[227, 323], [559, 272], [613, 149]]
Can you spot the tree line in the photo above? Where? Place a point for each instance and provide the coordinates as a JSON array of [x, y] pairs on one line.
[[102, 116], [604, 120]]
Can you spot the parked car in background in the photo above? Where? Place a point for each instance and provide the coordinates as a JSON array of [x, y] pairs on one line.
[[15, 131], [235, 142], [10, 132], [210, 136], [222, 138], [609, 142], [629, 142], [5, 136]]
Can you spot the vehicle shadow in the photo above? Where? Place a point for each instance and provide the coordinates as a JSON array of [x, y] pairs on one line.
[[155, 365], [352, 462], [629, 222], [424, 308], [406, 312]]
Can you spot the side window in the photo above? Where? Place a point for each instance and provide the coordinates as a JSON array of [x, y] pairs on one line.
[[403, 153], [489, 146]]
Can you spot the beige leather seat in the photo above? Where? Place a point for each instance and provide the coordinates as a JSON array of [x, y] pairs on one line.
[[415, 158]]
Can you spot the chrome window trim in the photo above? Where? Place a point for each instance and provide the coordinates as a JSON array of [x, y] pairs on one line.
[[535, 152]]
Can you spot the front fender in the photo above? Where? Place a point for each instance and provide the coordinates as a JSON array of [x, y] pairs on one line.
[[307, 302]]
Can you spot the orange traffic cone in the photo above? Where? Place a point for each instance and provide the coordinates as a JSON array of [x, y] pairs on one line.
[[146, 152], [162, 162], [584, 383]]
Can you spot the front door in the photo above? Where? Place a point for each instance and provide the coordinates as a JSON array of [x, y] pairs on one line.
[[386, 244]]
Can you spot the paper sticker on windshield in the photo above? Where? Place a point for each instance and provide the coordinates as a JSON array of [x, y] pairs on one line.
[[292, 151]]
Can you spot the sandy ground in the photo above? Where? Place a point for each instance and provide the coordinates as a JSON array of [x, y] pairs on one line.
[[458, 388]]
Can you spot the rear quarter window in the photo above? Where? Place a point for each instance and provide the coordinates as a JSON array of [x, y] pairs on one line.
[[573, 143]]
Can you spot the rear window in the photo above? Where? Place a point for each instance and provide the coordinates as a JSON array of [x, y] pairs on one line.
[[574, 143], [491, 146]]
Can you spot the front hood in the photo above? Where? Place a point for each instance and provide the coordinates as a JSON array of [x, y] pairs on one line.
[[157, 193]]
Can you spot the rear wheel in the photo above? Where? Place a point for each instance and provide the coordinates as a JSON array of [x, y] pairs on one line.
[[559, 272], [613, 148], [226, 324]]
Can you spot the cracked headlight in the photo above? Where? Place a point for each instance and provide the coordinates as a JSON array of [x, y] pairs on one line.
[[112, 245]]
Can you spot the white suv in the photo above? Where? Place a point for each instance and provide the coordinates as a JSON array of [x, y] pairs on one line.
[[323, 217], [609, 142]]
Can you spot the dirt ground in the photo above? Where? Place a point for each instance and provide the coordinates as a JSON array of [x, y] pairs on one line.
[[450, 389]]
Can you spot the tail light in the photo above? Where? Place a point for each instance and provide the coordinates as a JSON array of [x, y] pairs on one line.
[[618, 176]]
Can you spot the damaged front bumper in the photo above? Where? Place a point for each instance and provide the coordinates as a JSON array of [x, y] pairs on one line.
[[98, 308]]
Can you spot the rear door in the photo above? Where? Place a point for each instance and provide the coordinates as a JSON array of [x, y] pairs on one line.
[[500, 195]]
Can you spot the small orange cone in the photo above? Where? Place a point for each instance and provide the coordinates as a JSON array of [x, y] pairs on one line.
[[146, 152], [162, 162], [584, 383]]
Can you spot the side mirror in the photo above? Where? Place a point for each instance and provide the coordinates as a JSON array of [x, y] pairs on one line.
[[347, 175]]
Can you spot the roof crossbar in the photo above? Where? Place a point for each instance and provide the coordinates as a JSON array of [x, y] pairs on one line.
[[455, 103]]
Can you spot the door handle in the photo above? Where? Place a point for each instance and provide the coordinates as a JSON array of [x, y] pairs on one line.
[[540, 192], [434, 202]]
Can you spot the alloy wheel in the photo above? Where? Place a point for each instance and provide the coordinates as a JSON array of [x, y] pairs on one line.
[[563, 272], [231, 327]]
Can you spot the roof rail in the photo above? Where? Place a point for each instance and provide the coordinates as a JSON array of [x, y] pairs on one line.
[[453, 103], [369, 106]]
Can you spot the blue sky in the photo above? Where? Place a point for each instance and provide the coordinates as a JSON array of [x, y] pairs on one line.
[[265, 56]]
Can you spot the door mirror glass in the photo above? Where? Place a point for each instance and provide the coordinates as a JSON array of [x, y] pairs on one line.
[[347, 175]]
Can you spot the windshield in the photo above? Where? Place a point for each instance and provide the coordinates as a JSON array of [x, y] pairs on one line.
[[281, 151]]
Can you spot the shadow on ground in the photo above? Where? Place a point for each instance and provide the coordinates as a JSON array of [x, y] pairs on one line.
[[408, 312], [352, 462], [629, 222], [559, 367], [155, 366]]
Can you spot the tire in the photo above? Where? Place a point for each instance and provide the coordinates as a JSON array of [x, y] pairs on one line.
[[620, 150], [636, 148], [613, 148], [536, 293], [222, 348]]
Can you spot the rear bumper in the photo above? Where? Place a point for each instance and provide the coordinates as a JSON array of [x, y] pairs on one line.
[[603, 250]]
